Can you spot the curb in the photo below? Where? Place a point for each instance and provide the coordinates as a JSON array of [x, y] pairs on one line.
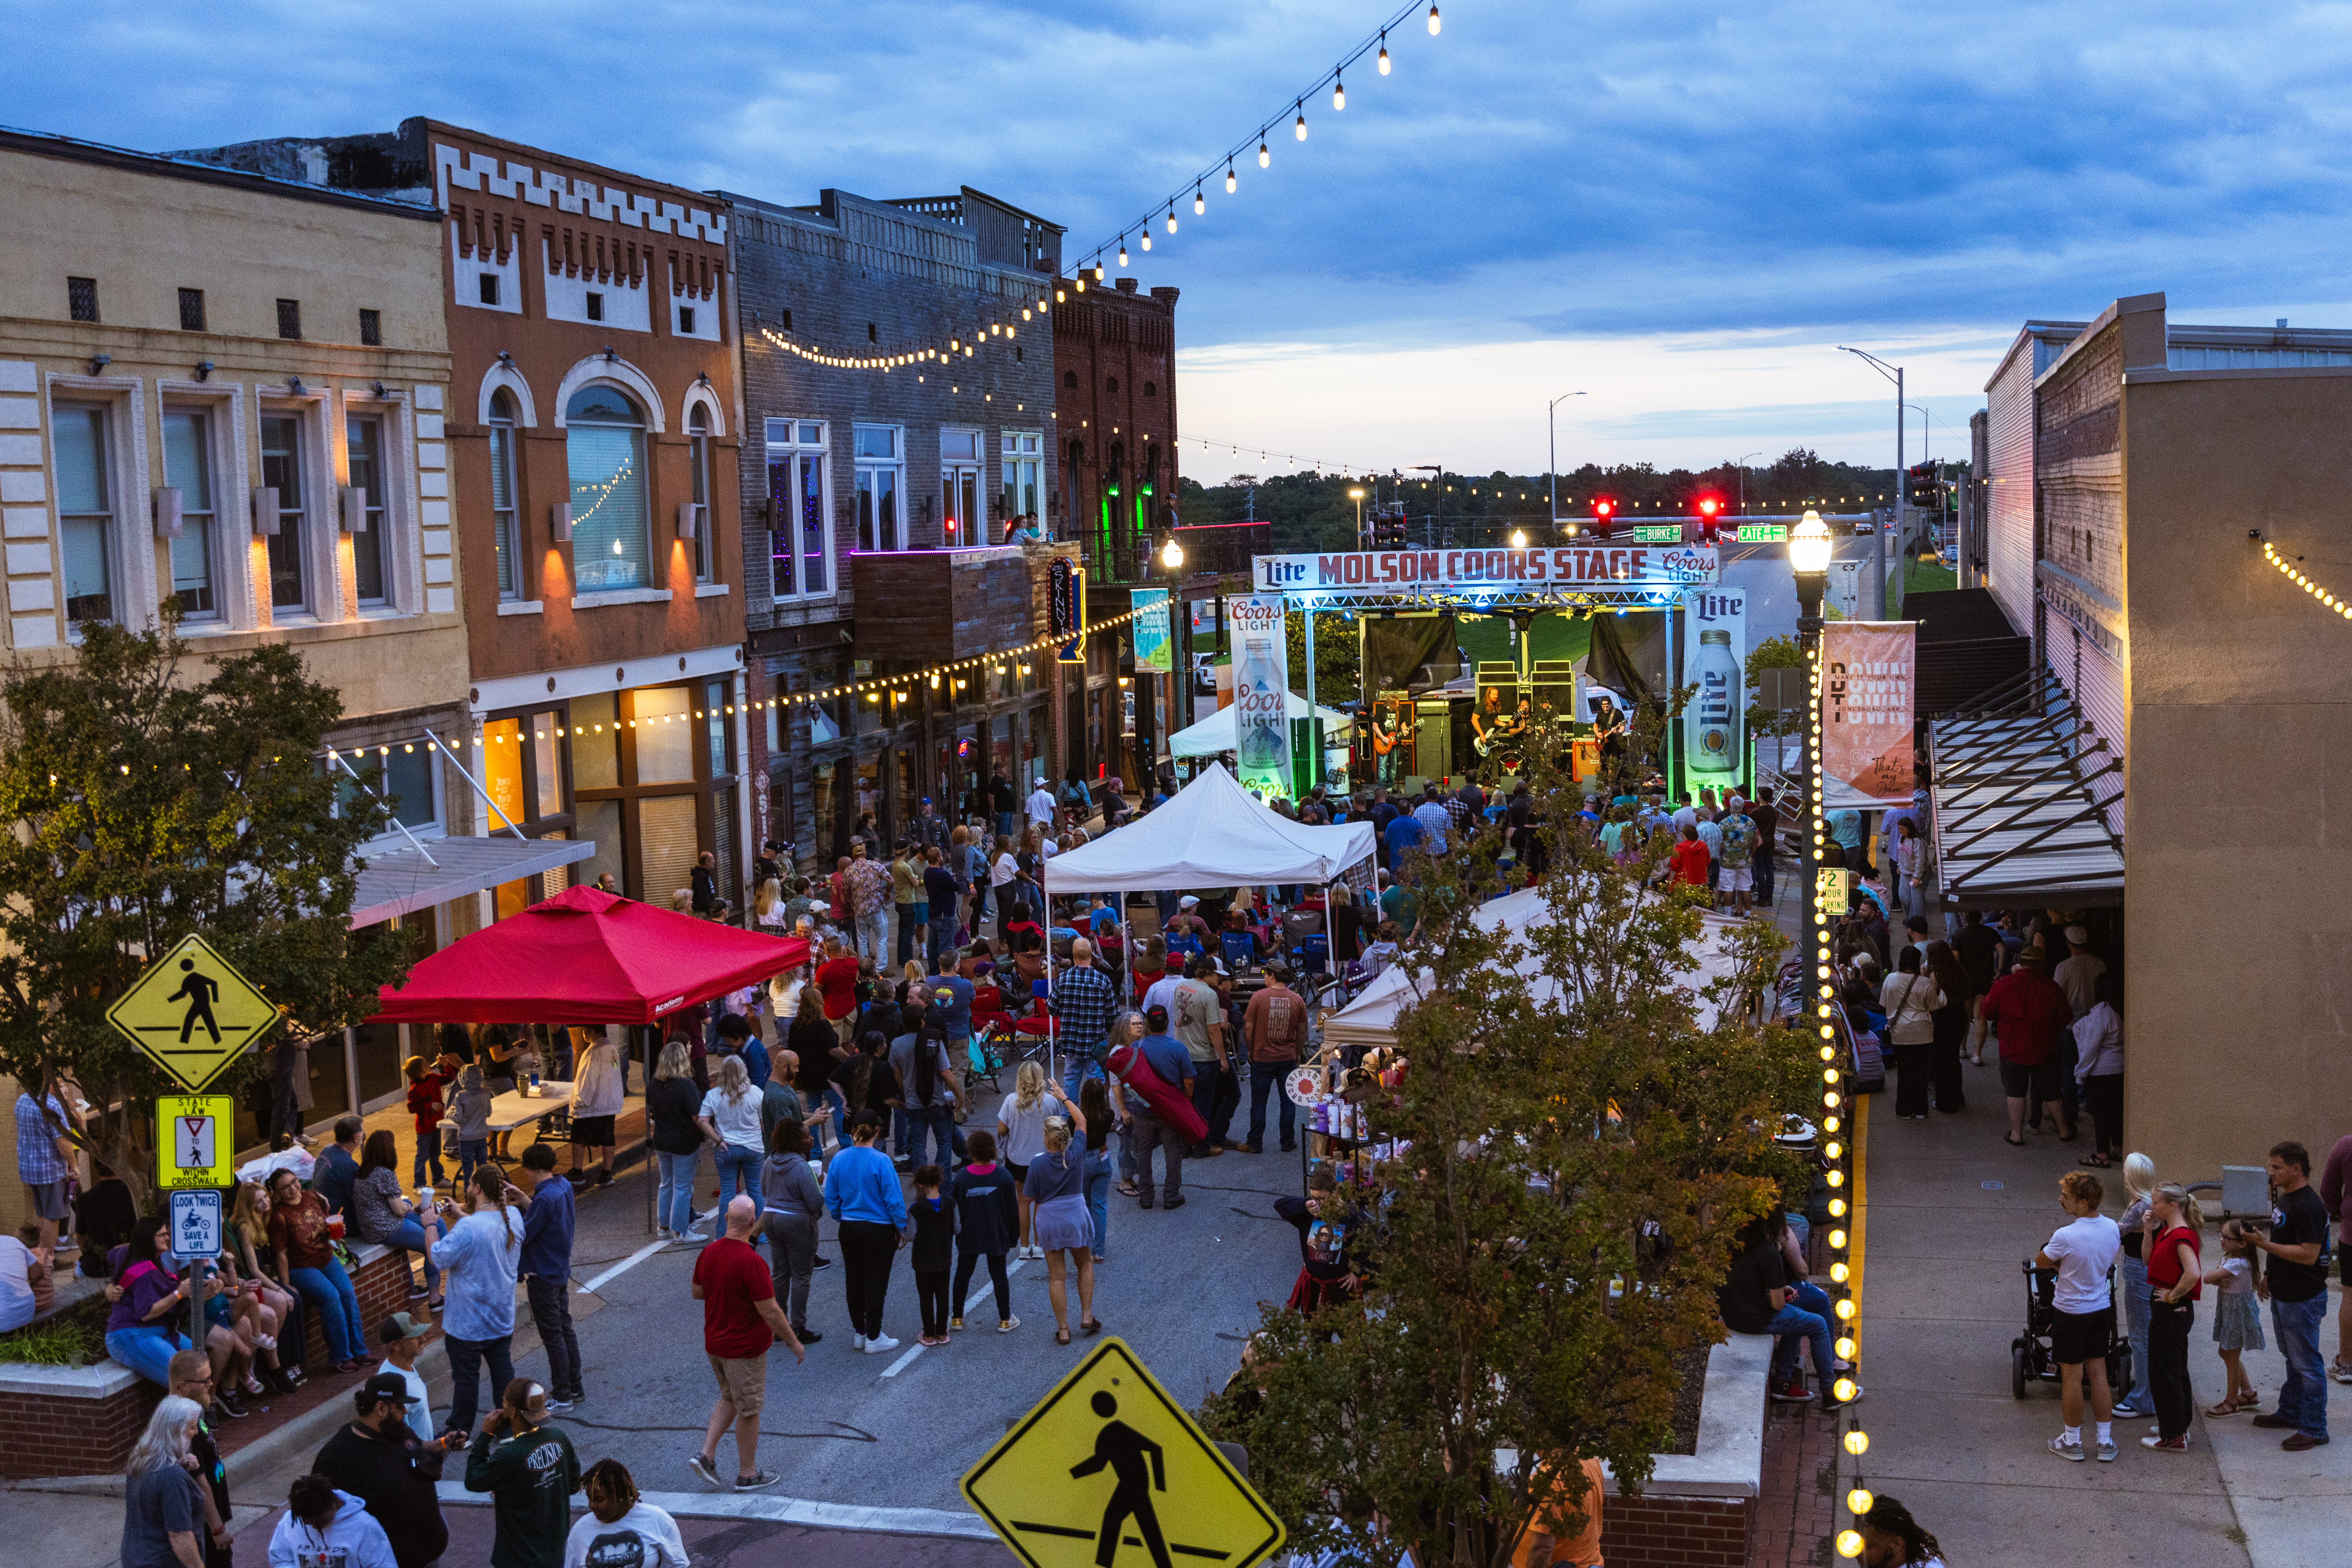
[[929, 1522]]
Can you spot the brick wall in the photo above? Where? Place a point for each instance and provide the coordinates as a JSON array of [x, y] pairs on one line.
[[1676, 1532], [88, 1427]]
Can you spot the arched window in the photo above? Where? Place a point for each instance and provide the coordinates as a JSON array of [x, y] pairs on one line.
[[606, 447], [697, 427], [1149, 390], [504, 514], [1070, 380], [1111, 386]]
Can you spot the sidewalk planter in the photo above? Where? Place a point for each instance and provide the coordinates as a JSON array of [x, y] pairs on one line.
[[1698, 1509], [83, 1420]]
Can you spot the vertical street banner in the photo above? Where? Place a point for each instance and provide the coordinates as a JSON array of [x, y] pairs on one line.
[[1869, 678], [1714, 661], [1065, 609], [1261, 679], [1155, 645]]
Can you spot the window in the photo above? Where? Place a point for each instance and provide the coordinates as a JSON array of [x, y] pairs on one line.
[[960, 488], [503, 529], [281, 469], [364, 435], [1024, 492], [1111, 385], [788, 321], [85, 510], [606, 450], [191, 310], [870, 333], [188, 465], [877, 450], [1070, 380], [1149, 390], [698, 459], [522, 769], [488, 283], [290, 318], [801, 547], [685, 319], [372, 329], [595, 306], [82, 298], [404, 777]]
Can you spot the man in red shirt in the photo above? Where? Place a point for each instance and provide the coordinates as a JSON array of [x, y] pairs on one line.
[[836, 982], [2026, 1010], [740, 1320], [1690, 858]]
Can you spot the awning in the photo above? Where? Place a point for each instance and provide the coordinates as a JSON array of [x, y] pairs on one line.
[[1212, 834], [1216, 733], [2017, 823], [400, 879]]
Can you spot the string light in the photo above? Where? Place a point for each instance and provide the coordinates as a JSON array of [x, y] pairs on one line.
[[1230, 182], [1264, 158], [1171, 217], [1122, 249], [1432, 21], [1301, 131], [1200, 203], [1384, 51], [2341, 607], [1338, 94]]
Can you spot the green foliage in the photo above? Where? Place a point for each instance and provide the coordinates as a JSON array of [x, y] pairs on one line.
[[1337, 650], [1772, 653], [1577, 1155], [144, 807], [74, 1337]]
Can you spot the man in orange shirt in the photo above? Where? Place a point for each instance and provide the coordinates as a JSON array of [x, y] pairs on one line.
[[1565, 1531], [1690, 858]]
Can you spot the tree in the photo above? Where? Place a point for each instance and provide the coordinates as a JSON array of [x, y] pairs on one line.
[[144, 806], [1772, 653], [1573, 1157], [1337, 647]]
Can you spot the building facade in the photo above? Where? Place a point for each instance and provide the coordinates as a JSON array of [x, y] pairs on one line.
[[594, 431], [2162, 458], [229, 394], [898, 396]]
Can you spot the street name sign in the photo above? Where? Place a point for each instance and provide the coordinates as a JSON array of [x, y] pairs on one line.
[[193, 1013], [1763, 533], [195, 1140], [1655, 533], [1108, 1472], [196, 1223]]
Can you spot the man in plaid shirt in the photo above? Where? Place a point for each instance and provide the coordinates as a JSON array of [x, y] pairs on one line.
[[44, 1163], [867, 883], [1084, 1002]]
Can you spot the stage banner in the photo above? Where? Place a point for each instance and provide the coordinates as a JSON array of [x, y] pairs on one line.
[[1869, 677], [1261, 694], [1155, 649], [1606, 565], [1714, 661]]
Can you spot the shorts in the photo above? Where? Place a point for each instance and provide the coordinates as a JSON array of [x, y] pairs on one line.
[[2036, 1085], [2079, 1337], [49, 1199], [592, 1131], [1020, 1173], [742, 1382], [1738, 880], [846, 1028]]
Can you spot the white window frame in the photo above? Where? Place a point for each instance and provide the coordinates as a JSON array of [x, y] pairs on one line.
[[506, 526], [379, 526], [313, 472], [700, 431], [110, 434], [1012, 455], [230, 509], [793, 452], [897, 464], [969, 531]]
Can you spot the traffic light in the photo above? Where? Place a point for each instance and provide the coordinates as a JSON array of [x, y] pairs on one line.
[[1710, 517], [1924, 488], [1604, 515]]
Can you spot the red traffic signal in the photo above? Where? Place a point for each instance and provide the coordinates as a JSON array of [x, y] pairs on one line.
[[1710, 516], [1604, 512]]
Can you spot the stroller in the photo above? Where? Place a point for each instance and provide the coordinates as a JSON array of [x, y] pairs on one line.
[[2030, 1357]]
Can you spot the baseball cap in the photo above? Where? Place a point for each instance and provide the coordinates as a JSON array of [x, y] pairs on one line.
[[400, 1326], [385, 1386], [927, 800], [1156, 1019], [2078, 935]]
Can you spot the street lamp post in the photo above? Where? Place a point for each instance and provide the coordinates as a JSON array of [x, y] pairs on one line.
[[1877, 586], [1743, 480], [1437, 521], [1809, 548], [1356, 494], [1551, 422]]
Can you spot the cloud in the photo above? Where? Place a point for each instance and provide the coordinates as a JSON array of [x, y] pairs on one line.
[[1594, 180]]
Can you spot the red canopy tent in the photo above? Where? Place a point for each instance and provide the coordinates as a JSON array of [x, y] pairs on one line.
[[586, 957]]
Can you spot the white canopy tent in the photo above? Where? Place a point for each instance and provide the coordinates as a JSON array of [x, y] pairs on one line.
[[1215, 733], [1372, 1018], [1212, 834]]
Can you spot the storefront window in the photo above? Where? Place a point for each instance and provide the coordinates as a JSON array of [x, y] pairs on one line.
[[595, 742], [664, 733], [822, 823], [600, 821]]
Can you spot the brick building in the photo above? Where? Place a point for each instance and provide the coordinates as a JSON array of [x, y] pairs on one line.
[[1115, 396], [898, 386], [592, 439]]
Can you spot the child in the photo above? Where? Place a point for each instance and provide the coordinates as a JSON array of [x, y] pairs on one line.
[[934, 1244], [1383, 951], [425, 1092], [986, 1222], [471, 1112], [38, 1277], [2237, 1320]]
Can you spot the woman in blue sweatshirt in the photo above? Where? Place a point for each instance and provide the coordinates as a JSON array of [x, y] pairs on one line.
[[861, 1191]]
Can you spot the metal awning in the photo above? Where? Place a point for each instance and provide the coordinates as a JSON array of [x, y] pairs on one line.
[[2016, 822], [401, 878]]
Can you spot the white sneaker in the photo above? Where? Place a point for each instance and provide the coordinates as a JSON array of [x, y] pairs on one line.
[[1007, 1325], [857, 1341], [881, 1345]]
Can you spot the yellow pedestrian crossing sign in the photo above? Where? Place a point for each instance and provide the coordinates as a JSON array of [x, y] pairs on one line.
[[193, 1013], [1109, 1470]]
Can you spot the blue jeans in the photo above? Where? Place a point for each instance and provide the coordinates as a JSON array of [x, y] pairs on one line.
[[1809, 1298], [911, 917], [1792, 1324], [1204, 1099], [472, 1153], [939, 1122], [2303, 1397], [1265, 1077], [410, 1236], [738, 1171], [466, 1359], [2141, 1395], [147, 1350], [1098, 1178], [428, 1154], [943, 929], [674, 1204], [1080, 1063], [329, 1292]]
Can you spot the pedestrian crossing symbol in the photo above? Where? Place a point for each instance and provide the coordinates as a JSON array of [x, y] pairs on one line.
[[192, 1013], [1109, 1471]]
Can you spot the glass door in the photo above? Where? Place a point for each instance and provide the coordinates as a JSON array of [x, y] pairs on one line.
[[960, 518]]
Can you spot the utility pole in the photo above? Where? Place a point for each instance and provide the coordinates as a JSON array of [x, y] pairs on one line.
[[1552, 423], [1875, 580]]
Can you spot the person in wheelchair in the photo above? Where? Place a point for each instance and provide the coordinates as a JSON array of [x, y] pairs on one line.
[[2082, 1311]]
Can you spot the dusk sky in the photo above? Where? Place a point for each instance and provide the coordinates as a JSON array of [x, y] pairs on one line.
[[1676, 208]]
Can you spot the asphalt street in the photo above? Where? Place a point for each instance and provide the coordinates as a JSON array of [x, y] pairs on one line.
[[898, 1430]]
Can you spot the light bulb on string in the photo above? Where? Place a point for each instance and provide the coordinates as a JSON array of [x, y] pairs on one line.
[[1384, 51], [1432, 21], [1264, 158], [1299, 131], [1338, 93], [1230, 181], [1200, 203], [1122, 250], [1171, 217], [1146, 238]]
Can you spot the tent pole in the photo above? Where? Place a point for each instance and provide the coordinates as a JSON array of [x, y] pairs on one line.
[[653, 1164]]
